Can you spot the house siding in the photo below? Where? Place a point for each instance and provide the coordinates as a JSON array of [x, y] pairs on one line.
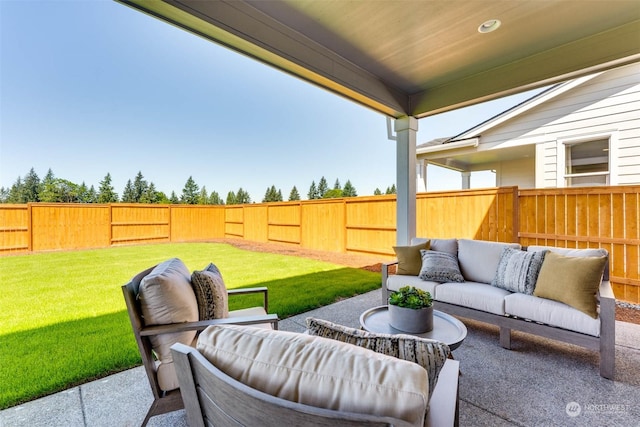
[[519, 173], [607, 104]]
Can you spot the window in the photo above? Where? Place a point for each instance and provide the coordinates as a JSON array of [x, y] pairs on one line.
[[586, 163]]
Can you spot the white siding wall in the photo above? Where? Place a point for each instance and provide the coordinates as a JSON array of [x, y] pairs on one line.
[[519, 172], [608, 103]]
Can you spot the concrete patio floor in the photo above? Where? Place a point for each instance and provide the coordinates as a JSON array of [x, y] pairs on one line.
[[533, 384]]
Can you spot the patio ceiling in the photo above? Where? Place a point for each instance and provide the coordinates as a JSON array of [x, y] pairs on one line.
[[418, 58]]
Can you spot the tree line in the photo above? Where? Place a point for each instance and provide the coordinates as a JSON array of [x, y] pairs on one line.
[[52, 189]]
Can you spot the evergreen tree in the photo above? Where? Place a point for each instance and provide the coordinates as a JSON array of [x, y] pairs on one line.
[[377, 192], [203, 197], [4, 195], [294, 195], [92, 195], [48, 190], [322, 187], [83, 193], [128, 195], [16, 192], [214, 199], [337, 186], [349, 190], [391, 190], [174, 199], [313, 191], [31, 187], [106, 192], [242, 197], [231, 198], [190, 192], [272, 195], [140, 187], [150, 195]]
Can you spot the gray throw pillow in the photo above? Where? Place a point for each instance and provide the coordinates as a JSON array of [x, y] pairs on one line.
[[518, 270], [430, 354], [440, 267]]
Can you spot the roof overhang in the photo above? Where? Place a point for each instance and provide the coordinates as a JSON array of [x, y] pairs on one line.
[[417, 58]]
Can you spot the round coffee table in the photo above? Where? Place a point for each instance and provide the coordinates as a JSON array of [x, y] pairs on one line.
[[446, 328]]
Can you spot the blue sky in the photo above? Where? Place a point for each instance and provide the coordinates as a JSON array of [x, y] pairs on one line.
[[91, 87]]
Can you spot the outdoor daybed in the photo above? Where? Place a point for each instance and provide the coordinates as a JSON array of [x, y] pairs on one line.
[[557, 293]]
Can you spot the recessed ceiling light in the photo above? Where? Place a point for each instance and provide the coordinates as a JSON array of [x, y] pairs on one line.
[[489, 26]]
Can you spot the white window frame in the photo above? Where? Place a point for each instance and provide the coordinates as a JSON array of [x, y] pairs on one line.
[[561, 146]]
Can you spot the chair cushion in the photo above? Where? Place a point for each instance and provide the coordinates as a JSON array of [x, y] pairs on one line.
[[479, 259], [409, 260], [518, 270], [166, 297], [211, 293], [440, 267], [429, 354], [571, 280], [319, 372]]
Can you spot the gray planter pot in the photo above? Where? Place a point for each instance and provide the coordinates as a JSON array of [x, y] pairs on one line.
[[414, 321]]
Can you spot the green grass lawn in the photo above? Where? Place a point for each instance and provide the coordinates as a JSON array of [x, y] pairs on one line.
[[63, 320]]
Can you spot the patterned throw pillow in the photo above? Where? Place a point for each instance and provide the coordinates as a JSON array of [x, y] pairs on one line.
[[429, 354], [211, 293], [440, 267], [518, 270]]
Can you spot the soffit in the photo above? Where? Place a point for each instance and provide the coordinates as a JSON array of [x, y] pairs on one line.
[[418, 58]]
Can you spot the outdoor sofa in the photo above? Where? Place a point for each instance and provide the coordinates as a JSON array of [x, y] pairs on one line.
[[557, 293]]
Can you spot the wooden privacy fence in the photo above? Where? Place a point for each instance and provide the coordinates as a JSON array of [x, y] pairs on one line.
[[606, 217]]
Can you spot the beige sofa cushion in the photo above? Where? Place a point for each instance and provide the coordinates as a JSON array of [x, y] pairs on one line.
[[479, 259], [166, 297], [449, 246], [319, 372]]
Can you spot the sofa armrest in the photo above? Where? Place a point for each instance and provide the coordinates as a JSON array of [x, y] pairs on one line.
[[607, 330], [246, 291], [606, 290], [385, 276]]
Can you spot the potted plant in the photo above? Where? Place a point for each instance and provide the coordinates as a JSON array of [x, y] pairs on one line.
[[411, 310]]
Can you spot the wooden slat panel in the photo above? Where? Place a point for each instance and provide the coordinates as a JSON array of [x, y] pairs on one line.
[[193, 223], [255, 219], [14, 229], [323, 225], [64, 226]]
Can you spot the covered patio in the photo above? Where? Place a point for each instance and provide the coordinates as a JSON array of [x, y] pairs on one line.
[[538, 382], [412, 59]]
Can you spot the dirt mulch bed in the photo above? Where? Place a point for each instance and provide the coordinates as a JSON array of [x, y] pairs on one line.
[[624, 312]]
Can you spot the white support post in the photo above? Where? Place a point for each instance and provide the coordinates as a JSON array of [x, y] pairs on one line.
[[466, 180], [406, 129], [421, 180]]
